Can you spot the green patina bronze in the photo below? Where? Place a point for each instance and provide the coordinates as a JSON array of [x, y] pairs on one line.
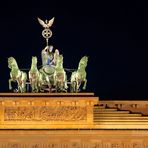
[[40, 79], [34, 76], [79, 76], [16, 75], [60, 77], [49, 77]]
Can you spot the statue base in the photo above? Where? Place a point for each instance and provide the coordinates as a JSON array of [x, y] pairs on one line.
[[47, 110]]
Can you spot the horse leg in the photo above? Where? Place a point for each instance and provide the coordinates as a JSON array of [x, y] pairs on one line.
[[10, 86], [40, 80], [36, 85], [56, 86], [55, 83], [48, 83], [40, 86], [31, 83], [19, 87], [65, 82], [24, 86], [71, 86], [65, 86], [23, 82], [32, 87], [77, 86], [85, 83]]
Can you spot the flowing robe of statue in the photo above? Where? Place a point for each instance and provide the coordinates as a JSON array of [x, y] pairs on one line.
[[47, 55], [56, 55]]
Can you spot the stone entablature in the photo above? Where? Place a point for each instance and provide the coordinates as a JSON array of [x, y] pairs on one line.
[[47, 111]]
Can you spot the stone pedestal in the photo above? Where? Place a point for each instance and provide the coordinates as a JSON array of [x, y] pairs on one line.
[[47, 111]]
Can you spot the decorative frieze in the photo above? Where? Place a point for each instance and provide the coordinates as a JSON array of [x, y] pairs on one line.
[[46, 113]]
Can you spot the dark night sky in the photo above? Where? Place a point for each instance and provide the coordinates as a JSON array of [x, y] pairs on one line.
[[113, 34]]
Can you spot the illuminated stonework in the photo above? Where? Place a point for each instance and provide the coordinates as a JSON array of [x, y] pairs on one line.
[[73, 139], [47, 111]]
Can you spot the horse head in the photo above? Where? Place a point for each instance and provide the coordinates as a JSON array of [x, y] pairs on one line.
[[34, 60], [12, 62], [83, 62]]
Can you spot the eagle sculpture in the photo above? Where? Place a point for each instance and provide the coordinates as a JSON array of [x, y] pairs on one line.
[[46, 24]]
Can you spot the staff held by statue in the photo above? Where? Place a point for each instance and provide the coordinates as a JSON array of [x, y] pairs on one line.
[[46, 33]]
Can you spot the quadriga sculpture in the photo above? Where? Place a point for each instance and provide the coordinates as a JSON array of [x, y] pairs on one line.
[[16, 75], [79, 76], [60, 77]]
